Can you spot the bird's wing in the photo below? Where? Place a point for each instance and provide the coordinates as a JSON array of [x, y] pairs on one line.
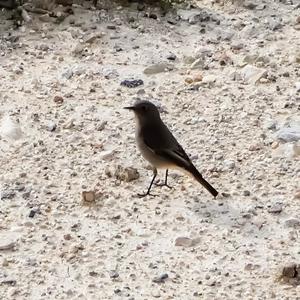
[[163, 143], [177, 158]]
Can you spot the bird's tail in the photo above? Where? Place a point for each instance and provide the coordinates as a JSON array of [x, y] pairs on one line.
[[196, 174]]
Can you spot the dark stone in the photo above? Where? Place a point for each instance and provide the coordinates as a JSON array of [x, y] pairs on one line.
[[132, 83], [246, 193], [171, 56], [141, 7], [161, 279], [10, 282], [118, 49], [131, 20], [114, 275], [250, 4], [275, 209], [32, 213], [111, 27], [172, 22], [8, 3], [153, 16]]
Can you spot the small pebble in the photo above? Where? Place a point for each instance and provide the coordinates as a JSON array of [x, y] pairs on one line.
[[275, 209], [292, 223], [171, 56], [51, 126], [111, 27], [246, 193], [114, 275], [58, 99], [32, 213], [161, 279]]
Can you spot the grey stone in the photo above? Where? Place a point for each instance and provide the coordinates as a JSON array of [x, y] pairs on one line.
[[193, 16], [292, 223], [250, 4], [90, 38], [186, 242], [126, 174], [78, 49], [161, 279], [274, 23], [275, 209], [289, 134], [158, 68], [68, 74], [270, 124], [225, 35], [237, 45], [186, 15], [109, 73], [229, 164], [7, 194], [78, 70], [114, 274]]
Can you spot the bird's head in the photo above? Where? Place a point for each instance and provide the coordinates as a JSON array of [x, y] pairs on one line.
[[145, 111]]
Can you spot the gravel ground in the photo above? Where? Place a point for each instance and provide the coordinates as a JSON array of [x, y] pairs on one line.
[[226, 78]]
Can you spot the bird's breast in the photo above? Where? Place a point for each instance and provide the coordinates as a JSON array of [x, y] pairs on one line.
[[149, 154]]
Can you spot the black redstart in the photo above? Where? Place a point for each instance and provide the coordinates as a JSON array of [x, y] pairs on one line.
[[159, 147]]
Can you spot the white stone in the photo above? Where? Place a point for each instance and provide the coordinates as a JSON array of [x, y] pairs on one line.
[[252, 74], [10, 129], [187, 14], [107, 155], [289, 150], [8, 241], [209, 79], [229, 164]]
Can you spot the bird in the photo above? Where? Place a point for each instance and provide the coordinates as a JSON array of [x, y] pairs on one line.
[[159, 147]]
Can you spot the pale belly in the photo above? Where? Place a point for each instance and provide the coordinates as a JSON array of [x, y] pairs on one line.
[[155, 160]]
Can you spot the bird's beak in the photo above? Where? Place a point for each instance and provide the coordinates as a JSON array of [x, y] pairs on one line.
[[129, 107]]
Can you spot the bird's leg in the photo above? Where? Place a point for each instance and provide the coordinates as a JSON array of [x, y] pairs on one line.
[[151, 183], [166, 181]]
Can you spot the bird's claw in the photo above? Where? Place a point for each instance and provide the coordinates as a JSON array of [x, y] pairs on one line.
[[145, 194], [163, 184]]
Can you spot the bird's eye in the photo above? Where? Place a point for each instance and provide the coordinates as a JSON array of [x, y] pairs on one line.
[[144, 108]]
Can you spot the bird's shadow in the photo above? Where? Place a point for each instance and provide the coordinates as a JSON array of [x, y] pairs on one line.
[[228, 214]]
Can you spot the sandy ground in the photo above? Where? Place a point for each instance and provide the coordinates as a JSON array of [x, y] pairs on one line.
[[63, 126]]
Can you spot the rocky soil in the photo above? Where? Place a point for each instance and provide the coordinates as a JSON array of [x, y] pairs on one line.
[[226, 77]]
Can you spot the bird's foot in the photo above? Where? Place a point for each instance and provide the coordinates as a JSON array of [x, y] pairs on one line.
[[145, 194], [164, 184]]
